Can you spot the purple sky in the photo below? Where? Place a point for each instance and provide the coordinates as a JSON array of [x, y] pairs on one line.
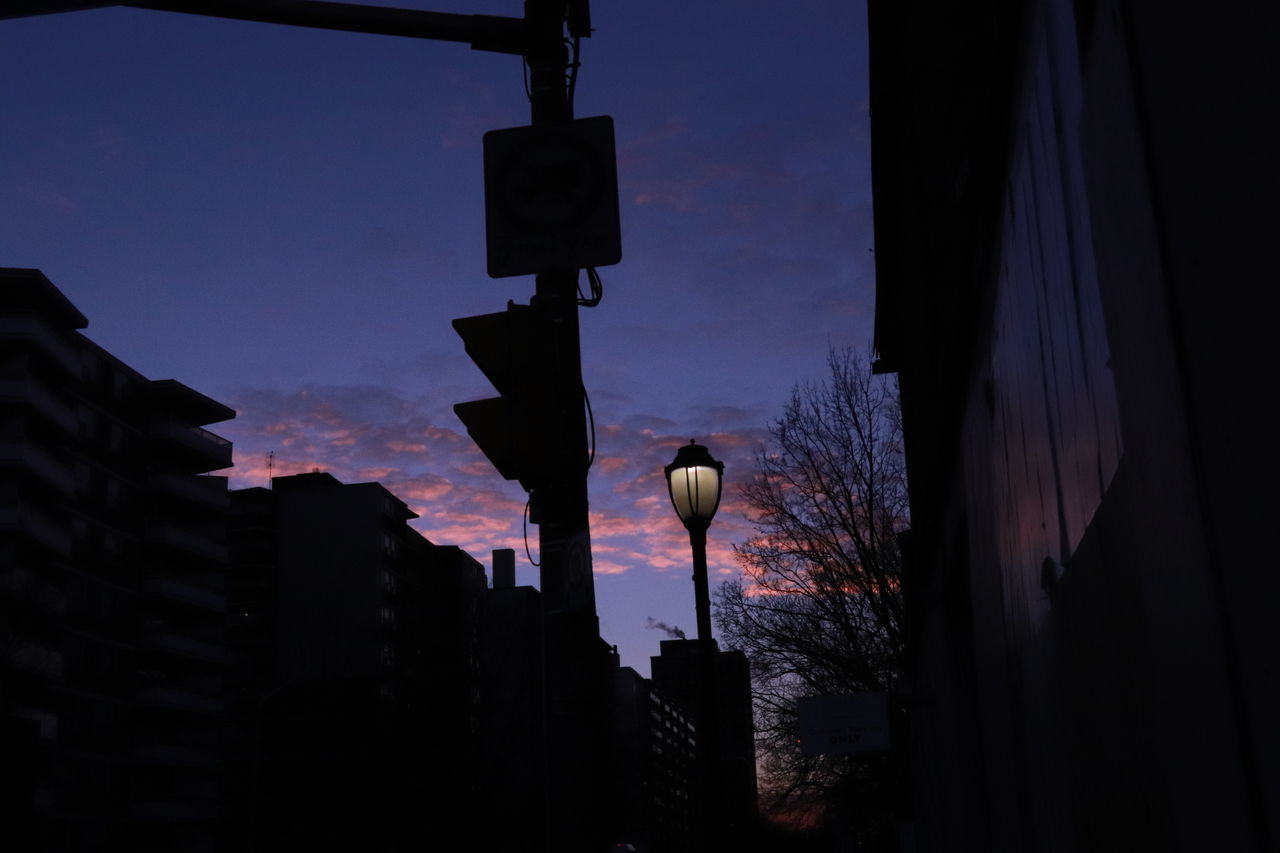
[[288, 220]]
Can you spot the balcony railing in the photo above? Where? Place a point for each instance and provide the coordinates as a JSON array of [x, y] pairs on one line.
[[20, 584], [212, 450], [34, 526], [175, 754], [173, 811], [171, 642], [174, 698], [205, 595], [36, 461], [26, 391], [211, 436], [209, 492], [44, 339], [185, 539]]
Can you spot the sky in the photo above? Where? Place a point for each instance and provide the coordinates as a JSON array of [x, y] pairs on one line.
[[288, 219]]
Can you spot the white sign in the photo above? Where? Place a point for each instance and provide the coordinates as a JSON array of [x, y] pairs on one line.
[[840, 725]]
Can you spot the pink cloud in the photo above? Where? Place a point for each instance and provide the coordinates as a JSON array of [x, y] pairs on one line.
[[362, 434], [607, 567], [423, 489], [406, 447], [674, 196], [611, 464]]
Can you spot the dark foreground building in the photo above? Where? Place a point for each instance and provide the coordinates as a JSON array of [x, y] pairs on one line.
[[512, 762], [1075, 208], [654, 768], [111, 591], [354, 649], [677, 675]]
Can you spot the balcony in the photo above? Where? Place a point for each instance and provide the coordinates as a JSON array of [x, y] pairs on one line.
[[26, 392], [178, 699], [206, 451], [168, 641], [186, 540], [36, 462], [205, 492], [35, 659], [175, 755], [205, 595], [40, 337], [171, 811], [33, 526], [20, 584]]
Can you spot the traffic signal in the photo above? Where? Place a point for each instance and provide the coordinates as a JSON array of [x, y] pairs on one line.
[[516, 430]]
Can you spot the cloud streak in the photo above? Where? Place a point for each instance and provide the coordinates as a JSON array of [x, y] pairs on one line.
[[363, 433]]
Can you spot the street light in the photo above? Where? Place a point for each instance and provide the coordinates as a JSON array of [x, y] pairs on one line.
[[694, 481]]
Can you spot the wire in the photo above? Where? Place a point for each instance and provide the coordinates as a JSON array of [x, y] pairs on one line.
[[574, 65], [597, 286], [571, 75], [591, 419], [532, 561], [597, 290]]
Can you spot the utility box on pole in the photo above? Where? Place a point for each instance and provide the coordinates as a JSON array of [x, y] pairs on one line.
[[551, 197]]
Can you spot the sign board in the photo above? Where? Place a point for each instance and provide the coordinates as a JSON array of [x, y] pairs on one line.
[[551, 197], [841, 725]]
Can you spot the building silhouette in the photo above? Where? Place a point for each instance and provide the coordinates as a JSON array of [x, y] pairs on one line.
[[111, 590], [355, 656], [512, 764], [677, 674], [654, 774], [1074, 208], [648, 779]]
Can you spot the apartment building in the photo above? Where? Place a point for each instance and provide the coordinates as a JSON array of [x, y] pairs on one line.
[[354, 652], [111, 587]]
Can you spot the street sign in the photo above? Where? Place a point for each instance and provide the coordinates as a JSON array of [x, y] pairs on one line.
[[551, 197], [841, 725]]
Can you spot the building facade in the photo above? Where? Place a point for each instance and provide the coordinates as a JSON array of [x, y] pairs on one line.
[[654, 772], [513, 733], [1073, 204], [355, 658], [113, 600], [678, 675]]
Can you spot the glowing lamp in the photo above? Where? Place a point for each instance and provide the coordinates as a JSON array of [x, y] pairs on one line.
[[693, 480]]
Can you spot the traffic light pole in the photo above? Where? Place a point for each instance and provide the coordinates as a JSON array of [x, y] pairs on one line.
[[575, 669], [560, 505]]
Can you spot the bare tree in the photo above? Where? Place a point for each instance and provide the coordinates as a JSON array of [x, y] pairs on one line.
[[819, 608]]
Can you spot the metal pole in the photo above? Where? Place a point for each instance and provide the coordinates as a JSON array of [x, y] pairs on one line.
[[561, 505], [575, 702], [708, 688], [701, 597]]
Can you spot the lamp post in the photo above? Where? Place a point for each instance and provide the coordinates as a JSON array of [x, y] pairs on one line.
[[694, 481]]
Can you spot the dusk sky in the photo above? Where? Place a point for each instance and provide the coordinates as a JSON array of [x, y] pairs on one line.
[[288, 219]]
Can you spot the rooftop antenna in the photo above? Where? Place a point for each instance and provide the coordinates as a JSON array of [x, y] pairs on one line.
[[271, 467]]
